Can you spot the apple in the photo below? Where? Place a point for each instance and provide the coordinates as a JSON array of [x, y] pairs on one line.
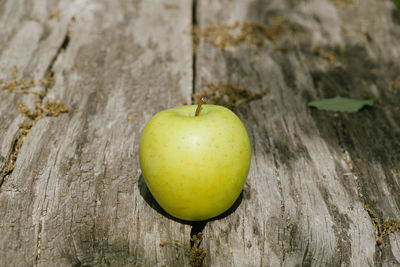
[[195, 160]]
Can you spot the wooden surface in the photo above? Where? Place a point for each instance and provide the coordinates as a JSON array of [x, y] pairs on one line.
[[323, 189]]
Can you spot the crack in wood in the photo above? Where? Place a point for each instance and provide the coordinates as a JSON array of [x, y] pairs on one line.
[[194, 46], [39, 241], [227, 95], [197, 253], [226, 36], [282, 200], [49, 71], [381, 229], [340, 134], [197, 227], [41, 109]]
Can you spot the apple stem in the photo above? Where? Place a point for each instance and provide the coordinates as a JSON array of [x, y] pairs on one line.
[[201, 102]]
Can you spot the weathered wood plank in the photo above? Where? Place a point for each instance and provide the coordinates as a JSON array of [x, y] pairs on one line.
[[31, 61], [73, 197], [312, 173], [322, 190]]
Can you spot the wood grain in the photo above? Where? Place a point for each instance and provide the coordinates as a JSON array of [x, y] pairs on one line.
[[322, 188], [312, 172], [73, 197]]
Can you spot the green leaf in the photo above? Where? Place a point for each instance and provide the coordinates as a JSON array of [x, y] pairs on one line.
[[397, 3], [340, 104]]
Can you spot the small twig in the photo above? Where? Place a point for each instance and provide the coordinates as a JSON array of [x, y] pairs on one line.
[[199, 107]]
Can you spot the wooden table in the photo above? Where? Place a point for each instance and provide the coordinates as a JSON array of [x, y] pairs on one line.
[[79, 80]]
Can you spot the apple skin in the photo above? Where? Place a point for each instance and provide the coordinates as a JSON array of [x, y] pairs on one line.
[[195, 166]]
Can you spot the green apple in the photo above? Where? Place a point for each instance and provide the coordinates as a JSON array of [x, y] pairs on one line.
[[195, 166]]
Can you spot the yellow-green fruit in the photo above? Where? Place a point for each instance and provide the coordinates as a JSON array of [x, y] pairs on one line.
[[195, 166]]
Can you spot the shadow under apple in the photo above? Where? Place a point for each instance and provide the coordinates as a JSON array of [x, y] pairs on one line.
[[197, 226]]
